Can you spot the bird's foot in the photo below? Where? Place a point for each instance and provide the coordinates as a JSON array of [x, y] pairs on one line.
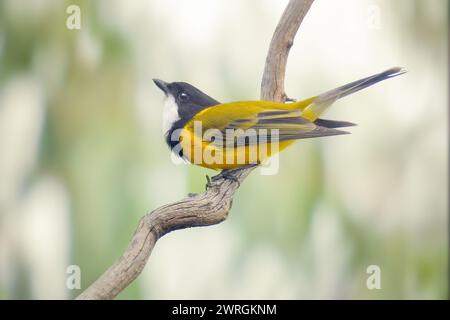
[[287, 99], [209, 183], [228, 174]]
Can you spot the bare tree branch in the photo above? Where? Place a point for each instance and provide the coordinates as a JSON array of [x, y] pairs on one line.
[[212, 206], [272, 85]]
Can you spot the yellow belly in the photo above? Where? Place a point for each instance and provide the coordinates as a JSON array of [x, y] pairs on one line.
[[208, 155]]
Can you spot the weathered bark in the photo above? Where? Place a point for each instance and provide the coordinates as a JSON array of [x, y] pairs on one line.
[[212, 206]]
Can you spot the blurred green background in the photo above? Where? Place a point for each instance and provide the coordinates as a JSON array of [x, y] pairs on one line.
[[82, 155]]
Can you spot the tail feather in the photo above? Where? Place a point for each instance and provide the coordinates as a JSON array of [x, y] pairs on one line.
[[324, 100], [333, 124], [355, 86]]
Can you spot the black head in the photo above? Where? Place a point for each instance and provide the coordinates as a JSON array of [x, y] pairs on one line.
[[188, 99], [182, 102]]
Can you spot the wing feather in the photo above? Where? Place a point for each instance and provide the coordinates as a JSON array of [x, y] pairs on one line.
[[258, 122]]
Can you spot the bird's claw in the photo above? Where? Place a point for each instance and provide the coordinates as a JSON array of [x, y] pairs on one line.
[[290, 99], [225, 174]]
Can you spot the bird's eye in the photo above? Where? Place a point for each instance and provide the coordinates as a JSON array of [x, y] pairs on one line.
[[183, 97]]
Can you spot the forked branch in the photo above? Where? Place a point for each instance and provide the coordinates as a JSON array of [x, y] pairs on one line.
[[212, 206]]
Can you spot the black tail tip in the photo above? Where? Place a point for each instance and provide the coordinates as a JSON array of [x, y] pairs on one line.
[[333, 123], [395, 71]]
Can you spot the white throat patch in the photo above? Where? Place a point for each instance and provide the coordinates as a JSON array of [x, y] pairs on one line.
[[170, 113]]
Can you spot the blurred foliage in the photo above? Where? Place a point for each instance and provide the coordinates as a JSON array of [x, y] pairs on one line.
[[101, 140]]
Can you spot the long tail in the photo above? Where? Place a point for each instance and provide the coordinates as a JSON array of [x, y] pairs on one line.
[[313, 110]]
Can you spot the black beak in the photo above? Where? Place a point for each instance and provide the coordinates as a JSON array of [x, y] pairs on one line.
[[164, 86]]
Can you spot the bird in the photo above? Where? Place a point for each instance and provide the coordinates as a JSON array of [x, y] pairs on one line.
[[234, 135]]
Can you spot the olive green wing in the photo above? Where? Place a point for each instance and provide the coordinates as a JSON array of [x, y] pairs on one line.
[[251, 122]]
